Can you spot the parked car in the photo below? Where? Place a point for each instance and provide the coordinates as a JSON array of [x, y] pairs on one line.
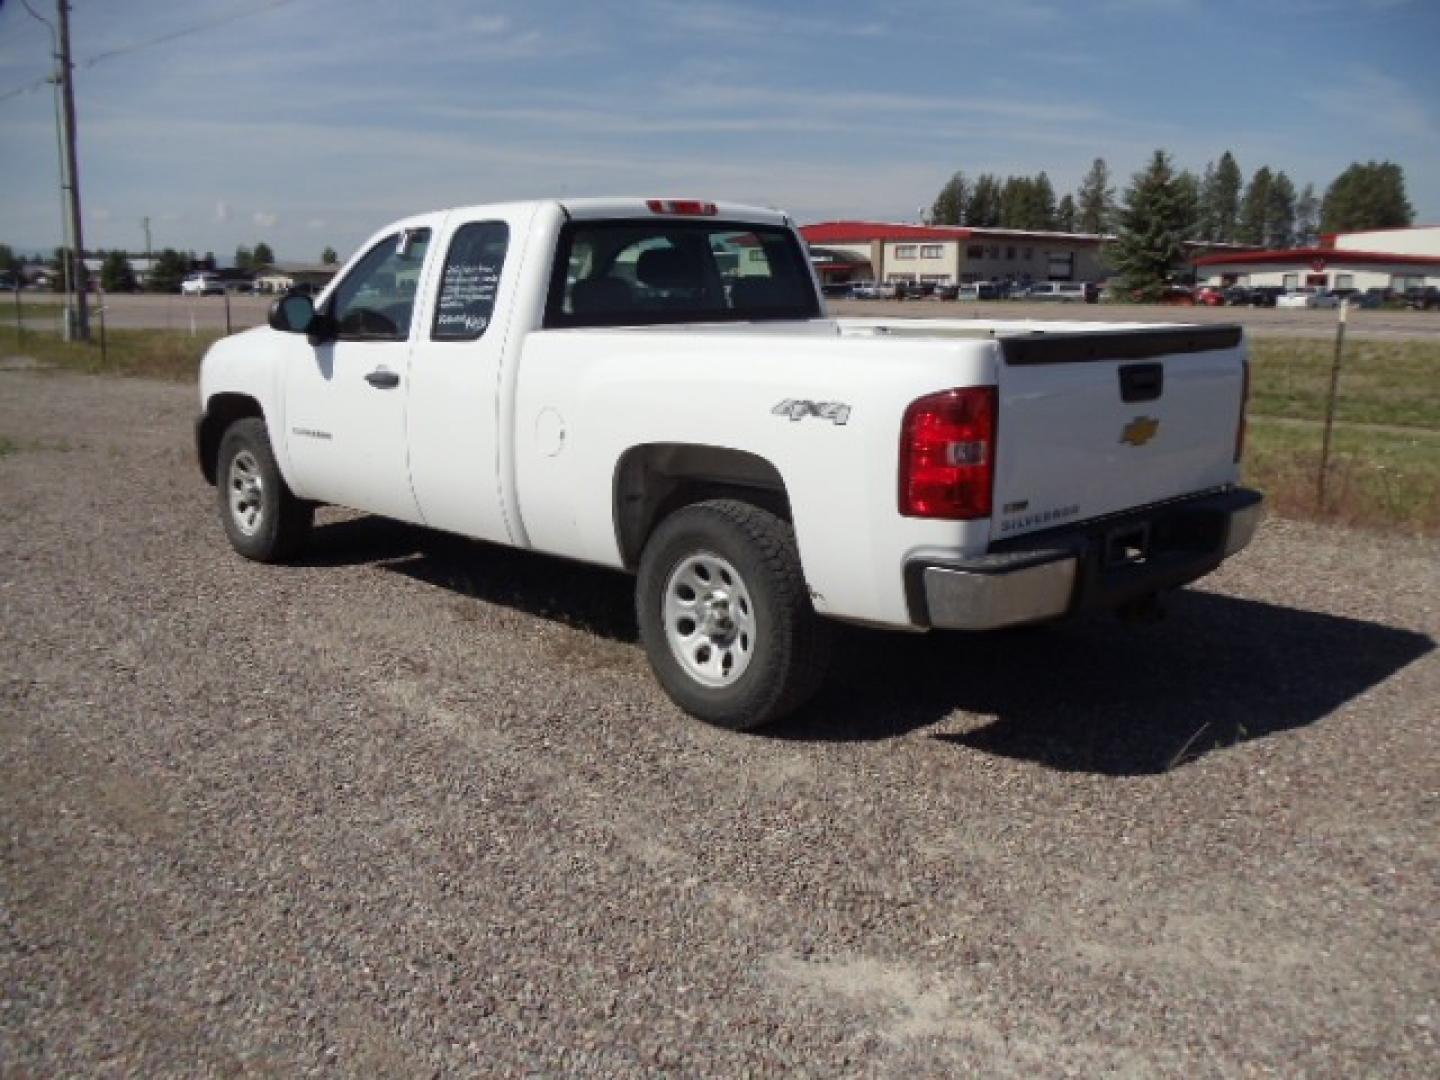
[[9, 282], [1264, 295], [1307, 297], [836, 289], [1176, 296], [1210, 296], [947, 292], [1067, 292], [979, 290], [202, 283], [1422, 298], [1373, 298]]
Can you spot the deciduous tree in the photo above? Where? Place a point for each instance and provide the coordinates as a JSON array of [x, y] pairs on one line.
[[116, 273], [1369, 196]]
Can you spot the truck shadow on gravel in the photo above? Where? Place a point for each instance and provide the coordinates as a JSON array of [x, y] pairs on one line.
[[1099, 695], [578, 595], [1095, 695]]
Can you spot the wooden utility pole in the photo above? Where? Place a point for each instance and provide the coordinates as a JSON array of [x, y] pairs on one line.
[[72, 175]]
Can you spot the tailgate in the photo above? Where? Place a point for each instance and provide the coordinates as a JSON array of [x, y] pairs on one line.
[[1095, 423]]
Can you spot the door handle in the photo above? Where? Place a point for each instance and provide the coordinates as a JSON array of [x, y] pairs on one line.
[[383, 379]]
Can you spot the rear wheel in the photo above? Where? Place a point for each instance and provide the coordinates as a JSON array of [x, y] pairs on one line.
[[262, 517], [725, 615]]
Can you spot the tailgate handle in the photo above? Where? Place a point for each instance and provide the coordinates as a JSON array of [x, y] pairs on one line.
[[1142, 382]]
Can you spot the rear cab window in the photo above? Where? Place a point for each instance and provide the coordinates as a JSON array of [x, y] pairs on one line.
[[641, 272]]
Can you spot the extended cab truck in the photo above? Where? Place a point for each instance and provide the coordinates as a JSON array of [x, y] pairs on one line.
[[653, 385]]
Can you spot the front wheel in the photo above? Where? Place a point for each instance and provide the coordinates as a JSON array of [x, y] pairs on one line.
[[263, 519], [725, 615]]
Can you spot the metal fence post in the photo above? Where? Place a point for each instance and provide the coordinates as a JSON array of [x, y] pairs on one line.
[[1330, 408]]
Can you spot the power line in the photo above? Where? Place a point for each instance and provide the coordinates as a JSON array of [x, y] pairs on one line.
[[161, 39], [125, 50]]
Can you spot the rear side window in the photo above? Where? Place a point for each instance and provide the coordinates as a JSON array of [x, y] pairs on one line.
[[468, 280], [636, 273]]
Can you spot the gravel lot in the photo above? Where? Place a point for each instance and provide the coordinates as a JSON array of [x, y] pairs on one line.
[[417, 807]]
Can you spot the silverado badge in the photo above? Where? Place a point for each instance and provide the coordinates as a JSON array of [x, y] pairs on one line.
[[1139, 431]]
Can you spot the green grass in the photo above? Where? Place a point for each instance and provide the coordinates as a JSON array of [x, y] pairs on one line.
[[1381, 382], [160, 354], [41, 315], [8, 446], [1377, 479]]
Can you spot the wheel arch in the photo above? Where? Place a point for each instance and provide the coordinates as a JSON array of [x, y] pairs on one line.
[[654, 480], [221, 410]]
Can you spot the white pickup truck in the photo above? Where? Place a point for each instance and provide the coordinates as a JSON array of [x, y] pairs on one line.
[[654, 385]]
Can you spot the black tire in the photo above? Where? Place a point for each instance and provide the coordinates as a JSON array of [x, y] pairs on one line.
[[262, 517], [785, 663]]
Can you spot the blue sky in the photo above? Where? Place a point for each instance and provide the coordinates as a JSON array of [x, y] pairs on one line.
[[312, 122]]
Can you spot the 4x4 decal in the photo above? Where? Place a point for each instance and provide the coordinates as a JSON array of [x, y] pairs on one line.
[[796, 409]]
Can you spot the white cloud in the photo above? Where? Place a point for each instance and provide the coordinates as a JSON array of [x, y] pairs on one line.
[[315, 223], [222, 210], [265, 220], [1369, 97]]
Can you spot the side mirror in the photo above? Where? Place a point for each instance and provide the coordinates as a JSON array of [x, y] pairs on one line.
[[292, 314]]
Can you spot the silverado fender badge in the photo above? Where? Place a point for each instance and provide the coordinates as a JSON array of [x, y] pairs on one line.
[[1139, 431], [836, 411]]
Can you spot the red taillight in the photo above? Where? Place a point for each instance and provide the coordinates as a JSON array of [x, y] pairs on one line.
[[947, 455], [692, 207], [1244, 406]]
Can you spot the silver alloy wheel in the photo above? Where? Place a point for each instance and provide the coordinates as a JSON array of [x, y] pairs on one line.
[[247, 493], [709, 619]]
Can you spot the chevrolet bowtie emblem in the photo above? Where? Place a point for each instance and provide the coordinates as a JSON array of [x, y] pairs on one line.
[[1140, 430]]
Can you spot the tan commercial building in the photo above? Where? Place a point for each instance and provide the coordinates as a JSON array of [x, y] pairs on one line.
[[881, 251], [1395, 259]]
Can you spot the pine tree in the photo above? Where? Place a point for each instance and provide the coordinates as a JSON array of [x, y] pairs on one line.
[[1307, 218], [1042, 210], [1251, 228], [984, 209], [329, 258], [1065, 214], [1149, 245], [1187, 194], [1369, 196], [263, 255], [1206, 226], [244, 259], [1280, 212], [950, 205], [1223, 199], [1095, 201]]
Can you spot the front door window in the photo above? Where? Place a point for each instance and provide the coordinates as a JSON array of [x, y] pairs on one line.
[[376, 299]]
